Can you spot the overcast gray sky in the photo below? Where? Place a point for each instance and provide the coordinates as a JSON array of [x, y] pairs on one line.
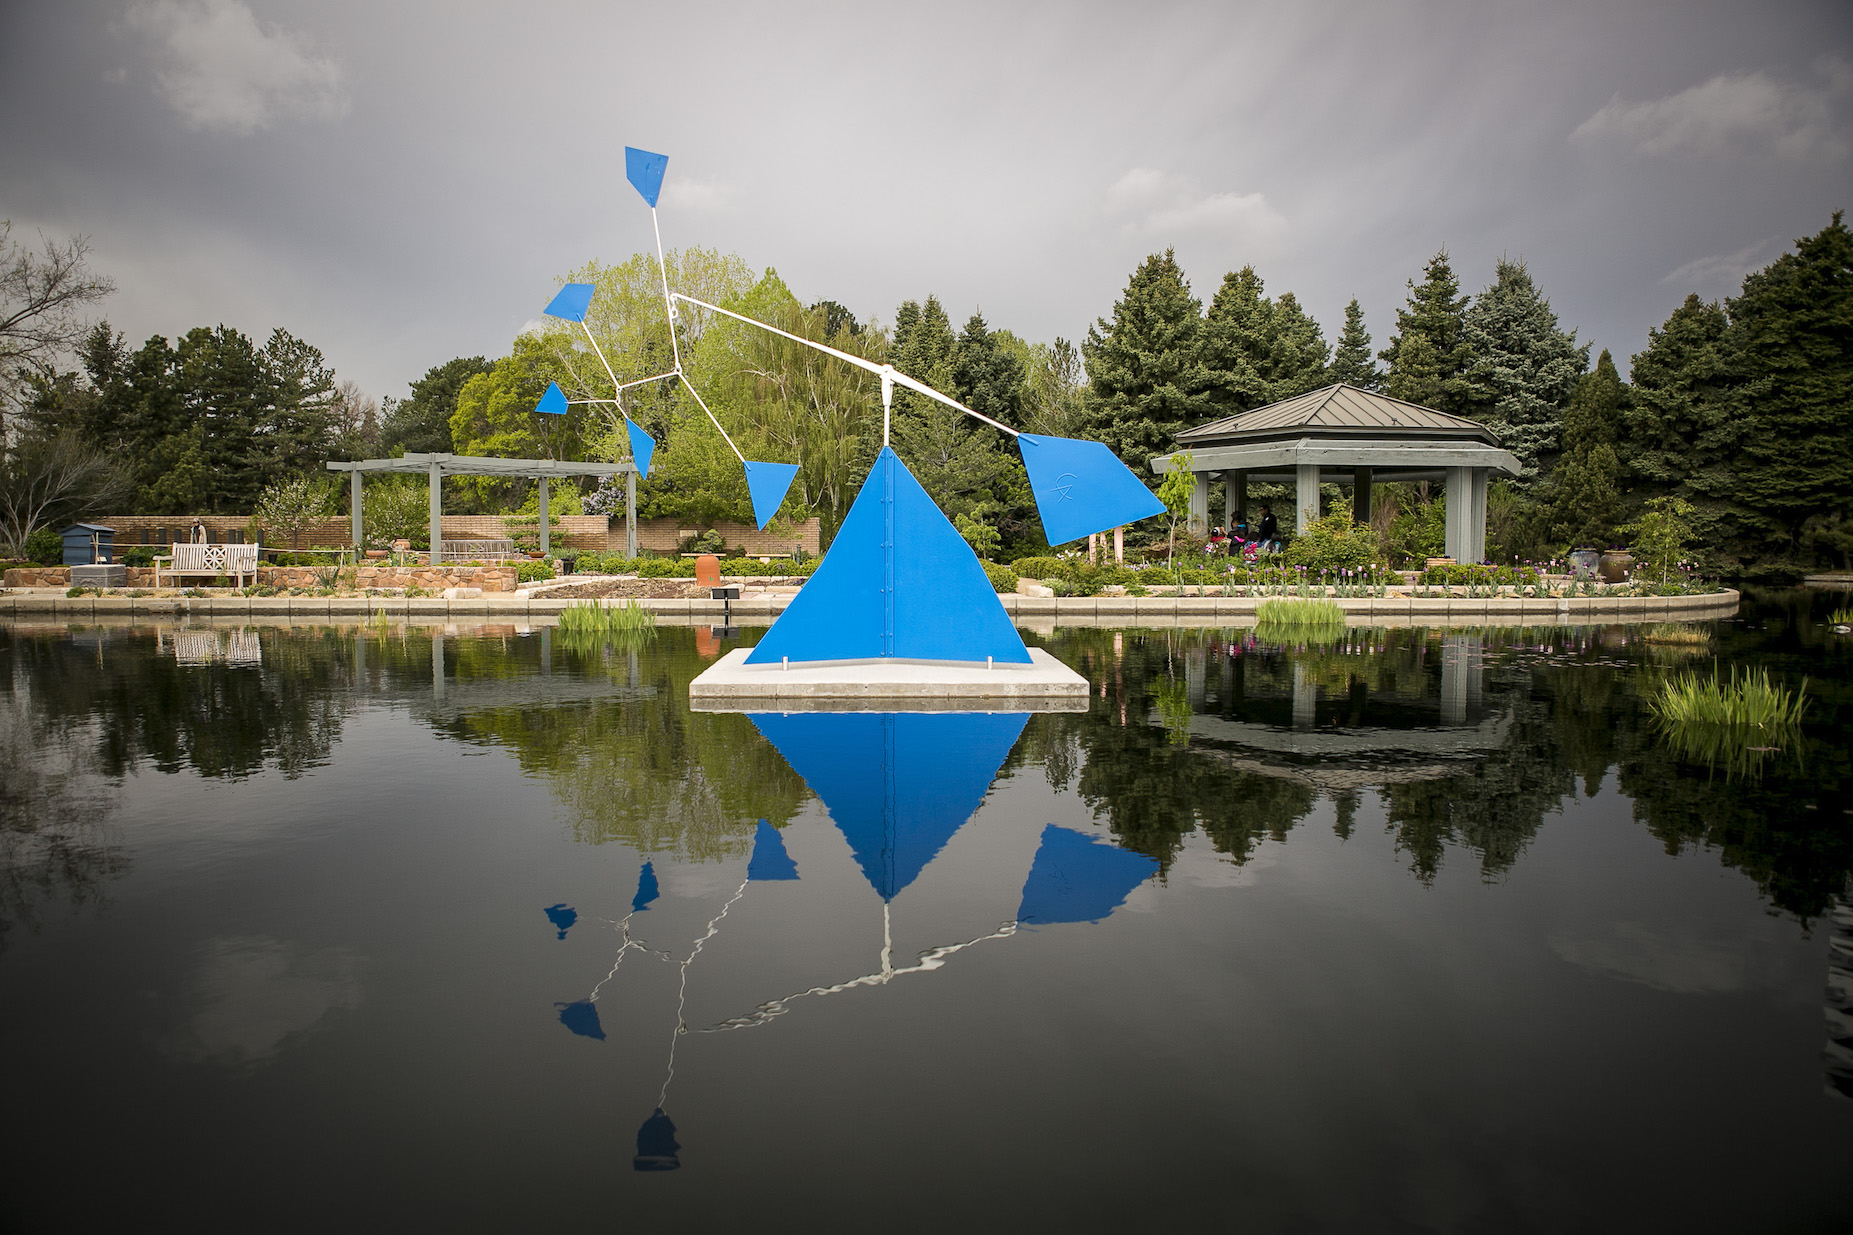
[[400, 183]]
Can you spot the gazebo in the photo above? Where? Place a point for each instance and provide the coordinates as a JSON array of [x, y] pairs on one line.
[[1346, 435], [437, 466]]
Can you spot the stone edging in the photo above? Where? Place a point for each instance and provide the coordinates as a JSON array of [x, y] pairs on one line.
[[752, 610]]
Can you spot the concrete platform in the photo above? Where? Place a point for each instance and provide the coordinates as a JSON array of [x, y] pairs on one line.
[[1043, 685]]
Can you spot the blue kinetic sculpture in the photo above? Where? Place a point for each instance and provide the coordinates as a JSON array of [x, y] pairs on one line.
[[1076, 878], [903, 585], [896, 784]]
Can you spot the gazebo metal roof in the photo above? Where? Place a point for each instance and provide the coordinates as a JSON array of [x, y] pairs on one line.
[[1337, 411]]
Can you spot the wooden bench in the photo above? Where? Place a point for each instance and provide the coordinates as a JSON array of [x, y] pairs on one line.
[[210, 560]]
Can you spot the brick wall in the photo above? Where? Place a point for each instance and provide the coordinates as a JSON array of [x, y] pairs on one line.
[[596, 532]]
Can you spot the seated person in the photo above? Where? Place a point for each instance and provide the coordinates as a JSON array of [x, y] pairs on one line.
[[1268, 534]]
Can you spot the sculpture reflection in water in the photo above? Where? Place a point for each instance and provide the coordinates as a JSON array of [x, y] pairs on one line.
[[898, 786]]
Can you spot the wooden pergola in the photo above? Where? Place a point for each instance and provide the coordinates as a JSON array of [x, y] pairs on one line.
[[438, 466], [1343, 434]]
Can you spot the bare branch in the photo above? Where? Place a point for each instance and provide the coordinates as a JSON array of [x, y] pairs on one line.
[[42, 294]]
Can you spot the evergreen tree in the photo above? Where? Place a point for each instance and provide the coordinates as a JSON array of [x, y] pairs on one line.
[[1681, 428], [1436, 311], [1792, 330], [1524, 368], [1586, 486], [1146, 378], [1257, 351], [1415, 375], [1352, 362], [421, 424], [956, 460]]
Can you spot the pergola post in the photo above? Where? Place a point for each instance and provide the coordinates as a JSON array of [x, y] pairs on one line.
[[543, 516], [437, 519], [355, 506], [630, 515], [1360, 494], [1307, 507], [1477, 523], [1199, 519]]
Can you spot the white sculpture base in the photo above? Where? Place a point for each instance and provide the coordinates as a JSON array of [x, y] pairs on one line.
[[1043, 685]]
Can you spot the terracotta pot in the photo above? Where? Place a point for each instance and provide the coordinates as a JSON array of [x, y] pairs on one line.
[[1615, 565]]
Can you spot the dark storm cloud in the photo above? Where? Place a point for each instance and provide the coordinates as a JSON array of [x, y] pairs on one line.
[[400, 184]]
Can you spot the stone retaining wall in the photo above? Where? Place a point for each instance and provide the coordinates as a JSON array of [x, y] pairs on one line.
[[757, 608]]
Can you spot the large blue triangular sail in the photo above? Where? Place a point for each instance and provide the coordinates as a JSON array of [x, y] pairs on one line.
[[769, 860], [896, 784], [643, 446], [571, 302], [1081, 487], [645, 172], [767, 483], [553, 401], [1076, 878], [932, 601]]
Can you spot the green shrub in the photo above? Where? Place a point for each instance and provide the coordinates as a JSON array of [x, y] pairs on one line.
[[138, 556], [1039, 567], [1460, 574], [1282, 620], [659, 568], [532, 572], [1335, 542], [45, 547], [1003, 578]]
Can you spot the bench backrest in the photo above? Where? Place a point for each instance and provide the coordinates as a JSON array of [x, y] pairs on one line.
[[215, 559]]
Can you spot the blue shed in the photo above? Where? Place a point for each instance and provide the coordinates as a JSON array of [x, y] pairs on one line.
[[89, 544]]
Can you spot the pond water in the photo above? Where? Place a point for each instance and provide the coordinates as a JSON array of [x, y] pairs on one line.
[[1420, 930]]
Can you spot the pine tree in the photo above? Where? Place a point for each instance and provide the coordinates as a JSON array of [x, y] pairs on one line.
[[1146, 379], [1436, 311], [1298, 355], [1415, 375], [1258, 351], [1792, 330], [955, 459], [1586, 485], [1352, 362], [1682, 430], [1524, 368]]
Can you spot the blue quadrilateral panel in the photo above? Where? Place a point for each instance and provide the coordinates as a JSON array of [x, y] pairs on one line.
[[643, 446], [581, 1018], [553, 402], [897, 785], [645, 172], [1076, 878], [562, 916], [571, 302], [769, 860], [899, 581], [768, 483], [1081, 487]]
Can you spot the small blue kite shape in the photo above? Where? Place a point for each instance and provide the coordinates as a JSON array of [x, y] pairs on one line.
[[571, 302], [582, 1018], [1077, 878], [643, 446], [646, 888], [562, 916], [768, 483], [645, 172], [1082, 487], [553, 402]]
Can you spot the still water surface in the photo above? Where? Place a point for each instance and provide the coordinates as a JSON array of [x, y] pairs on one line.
[[1419, 931]]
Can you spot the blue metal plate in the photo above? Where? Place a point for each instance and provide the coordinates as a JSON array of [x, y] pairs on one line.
[[769, 861], [645, 172], [571, 302], [553, 402], [1077, 878], [1081, 487], [643, 446]]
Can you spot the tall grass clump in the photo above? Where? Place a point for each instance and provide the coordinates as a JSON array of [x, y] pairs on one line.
[[591, 625], [1678, 634], [1842, 616], [1299, 620], [1736, 722]]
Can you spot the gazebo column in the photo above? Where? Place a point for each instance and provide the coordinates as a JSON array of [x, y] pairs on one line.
[[354, 505], [1199, 520], [437, 519], [1307, 508], [1459, 525], [1235, 497], [1360, 494], [543, 516], [1477, 490]]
